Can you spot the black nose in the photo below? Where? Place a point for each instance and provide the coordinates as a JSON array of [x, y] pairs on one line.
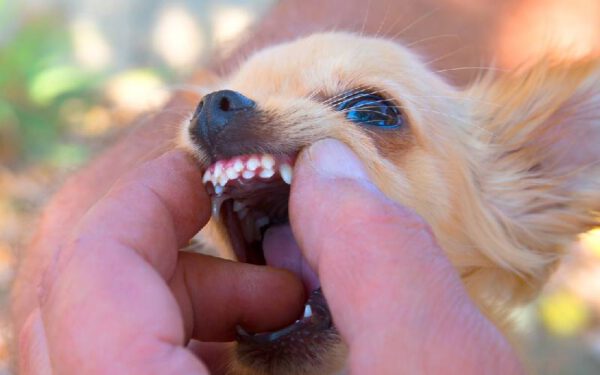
[[216, 111]]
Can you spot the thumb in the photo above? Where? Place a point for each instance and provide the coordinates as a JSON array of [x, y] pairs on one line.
[[33, 351], [364, 246], [389, 286]]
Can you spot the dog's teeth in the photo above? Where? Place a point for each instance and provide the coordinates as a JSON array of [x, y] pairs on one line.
[[207, 176], [223, 179], [267, 162], [266, 173], [307, 311], [286, 172], [218, 189], [238, 166], [218, 169], [248, 174], [261, 222], [252, 163], [231, 173], [238, 206]]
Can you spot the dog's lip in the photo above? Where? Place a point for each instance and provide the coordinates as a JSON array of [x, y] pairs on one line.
[[315, 318]]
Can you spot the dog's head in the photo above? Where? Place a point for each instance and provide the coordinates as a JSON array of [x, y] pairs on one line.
[[505, 172]]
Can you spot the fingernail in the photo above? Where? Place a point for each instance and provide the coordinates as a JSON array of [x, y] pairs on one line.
[[333, 159]]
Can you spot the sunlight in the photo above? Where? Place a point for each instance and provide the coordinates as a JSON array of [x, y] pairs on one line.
[[591, 241], [229, 22], [137, 90], [90, 47], [177, 38], [557, 29]]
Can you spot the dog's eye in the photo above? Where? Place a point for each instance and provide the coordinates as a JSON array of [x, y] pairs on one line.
[[371, 109]]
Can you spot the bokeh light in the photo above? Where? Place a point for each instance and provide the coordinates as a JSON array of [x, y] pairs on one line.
[[177, 37], [229, 22], [90, 47]]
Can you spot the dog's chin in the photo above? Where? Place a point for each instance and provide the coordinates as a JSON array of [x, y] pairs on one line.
[[250, 195]]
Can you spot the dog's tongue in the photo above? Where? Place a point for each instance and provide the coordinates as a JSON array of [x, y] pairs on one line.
[[282, 251]]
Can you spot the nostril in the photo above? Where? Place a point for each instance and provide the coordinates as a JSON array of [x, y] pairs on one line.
[[199, 108], [224, 104]]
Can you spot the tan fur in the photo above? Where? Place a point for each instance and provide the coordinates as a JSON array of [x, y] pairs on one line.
[[493, 169]]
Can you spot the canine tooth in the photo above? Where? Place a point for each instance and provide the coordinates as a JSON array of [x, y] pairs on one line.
[[238, 206], [286, 172], [252, 163], [207, 176], [218, 168], [267, 162], [307, 311], [248, 174], [218, 189], [266, 173], [223, 179], [238, 166], [231, 173], [261, 222]]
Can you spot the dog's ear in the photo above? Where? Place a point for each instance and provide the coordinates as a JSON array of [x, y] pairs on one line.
[[540, 168]]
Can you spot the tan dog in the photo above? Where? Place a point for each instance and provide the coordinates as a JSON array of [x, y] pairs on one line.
[[507, 173]]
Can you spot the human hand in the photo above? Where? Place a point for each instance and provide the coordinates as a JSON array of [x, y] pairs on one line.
[[395, 298], [118, 297]]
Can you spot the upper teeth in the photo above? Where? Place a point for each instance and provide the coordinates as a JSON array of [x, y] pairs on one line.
[[247, 167], [286, 172]]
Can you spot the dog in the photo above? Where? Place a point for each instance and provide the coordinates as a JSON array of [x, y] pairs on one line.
[[506, 172]]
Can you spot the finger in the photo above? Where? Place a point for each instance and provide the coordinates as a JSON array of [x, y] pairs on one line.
[[152, 137], [377, 257], [33, 351], [215, 295], [154, 210], [357, 229], [106, 307]]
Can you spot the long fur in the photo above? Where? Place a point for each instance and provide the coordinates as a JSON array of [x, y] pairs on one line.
[[506, 172]]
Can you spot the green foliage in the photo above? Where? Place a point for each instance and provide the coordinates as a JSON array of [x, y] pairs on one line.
[[37, 76]]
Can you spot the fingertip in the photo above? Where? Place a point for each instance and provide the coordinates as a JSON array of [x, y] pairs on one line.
[[220, 294]]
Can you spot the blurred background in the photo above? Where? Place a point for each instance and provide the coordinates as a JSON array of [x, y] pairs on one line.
[[74, 74]]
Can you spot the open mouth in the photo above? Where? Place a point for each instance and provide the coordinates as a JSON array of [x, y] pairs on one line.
[[250, 195]]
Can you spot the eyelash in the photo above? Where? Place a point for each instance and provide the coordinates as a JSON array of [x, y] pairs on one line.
[[370, 109]]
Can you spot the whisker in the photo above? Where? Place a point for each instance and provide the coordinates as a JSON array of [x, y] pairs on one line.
[[472, 67], [365, 19], [445, 55], [429, 38], [382, 23], [415, 22]]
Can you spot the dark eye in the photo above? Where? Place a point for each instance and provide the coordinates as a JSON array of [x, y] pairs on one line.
[[371, 109]]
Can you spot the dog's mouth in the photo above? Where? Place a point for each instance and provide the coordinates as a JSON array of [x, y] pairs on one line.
[[250, 195]]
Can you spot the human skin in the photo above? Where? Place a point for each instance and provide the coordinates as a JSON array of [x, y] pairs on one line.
[[153, 135], [119, 298]]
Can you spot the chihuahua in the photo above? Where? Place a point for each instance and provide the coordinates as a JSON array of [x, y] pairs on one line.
[[506, 172]]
